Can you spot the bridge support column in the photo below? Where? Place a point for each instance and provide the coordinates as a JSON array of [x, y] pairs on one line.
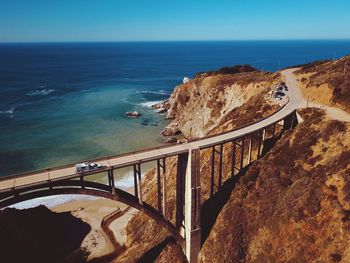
[[242, 154], [290, 121], [111, 181], [220, 167], [263, 135], [250, 149], [138, 182], [233, 159], [180, 188], [259, 145], [192, 206], [212, 179], [161, 195], [274, 130]]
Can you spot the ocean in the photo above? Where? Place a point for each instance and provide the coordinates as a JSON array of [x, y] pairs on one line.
[[65, 102]]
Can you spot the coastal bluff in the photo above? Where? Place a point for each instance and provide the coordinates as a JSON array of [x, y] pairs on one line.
[[288, 206]]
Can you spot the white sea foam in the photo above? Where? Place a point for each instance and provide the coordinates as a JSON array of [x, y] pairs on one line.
[[149, 104], [159, 92], [126, 101], [126, 182], [9, 112], [40, 92], [51, 201]]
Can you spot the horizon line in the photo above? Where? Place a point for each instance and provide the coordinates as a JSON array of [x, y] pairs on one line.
[[154, 41]]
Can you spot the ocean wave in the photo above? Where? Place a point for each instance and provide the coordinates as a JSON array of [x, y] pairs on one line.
[[126, 182], [149, 104], [52, 201], [159, 92], [126, 101], [9, 112], [40, 92]]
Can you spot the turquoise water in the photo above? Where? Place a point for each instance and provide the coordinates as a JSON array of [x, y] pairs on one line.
[[61, 103]]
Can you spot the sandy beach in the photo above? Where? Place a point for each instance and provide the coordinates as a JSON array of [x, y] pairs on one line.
[[98, 243]]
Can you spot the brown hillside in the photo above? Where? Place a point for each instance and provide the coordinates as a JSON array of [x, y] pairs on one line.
[[292, 205], [328, 82], [287, 207]]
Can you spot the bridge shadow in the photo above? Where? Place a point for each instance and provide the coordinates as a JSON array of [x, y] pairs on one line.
[[152, 254], [212, 207]]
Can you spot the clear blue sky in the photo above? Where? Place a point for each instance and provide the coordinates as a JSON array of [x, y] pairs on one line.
[[132, 20]]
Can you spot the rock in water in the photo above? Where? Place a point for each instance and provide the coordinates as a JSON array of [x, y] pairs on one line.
[[133, 114], [162, 110]]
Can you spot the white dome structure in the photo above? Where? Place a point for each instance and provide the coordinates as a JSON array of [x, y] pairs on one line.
[[185, 80]]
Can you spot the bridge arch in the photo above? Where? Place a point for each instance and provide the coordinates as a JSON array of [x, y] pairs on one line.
[[70, 187]]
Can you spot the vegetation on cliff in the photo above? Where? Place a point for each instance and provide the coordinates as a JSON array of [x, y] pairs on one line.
[[292, 205], [328, 82]]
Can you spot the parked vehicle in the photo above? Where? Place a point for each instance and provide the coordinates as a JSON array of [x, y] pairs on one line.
[[87, 167]]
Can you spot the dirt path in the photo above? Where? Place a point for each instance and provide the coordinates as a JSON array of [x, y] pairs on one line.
[[301, 102]]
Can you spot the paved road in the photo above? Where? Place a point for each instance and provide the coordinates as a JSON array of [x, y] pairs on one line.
[[296, 100], [301, 102]]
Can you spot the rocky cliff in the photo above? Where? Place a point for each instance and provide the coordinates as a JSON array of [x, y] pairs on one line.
[[290, 206], [199, 106]]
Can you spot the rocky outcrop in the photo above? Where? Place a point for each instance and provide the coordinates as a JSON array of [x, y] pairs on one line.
[[171, 130], [199, 105], [161, 105], [133, 114]]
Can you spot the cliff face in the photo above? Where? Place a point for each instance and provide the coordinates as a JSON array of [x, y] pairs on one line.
[[327, 82], [198, 106], [292, 205]]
